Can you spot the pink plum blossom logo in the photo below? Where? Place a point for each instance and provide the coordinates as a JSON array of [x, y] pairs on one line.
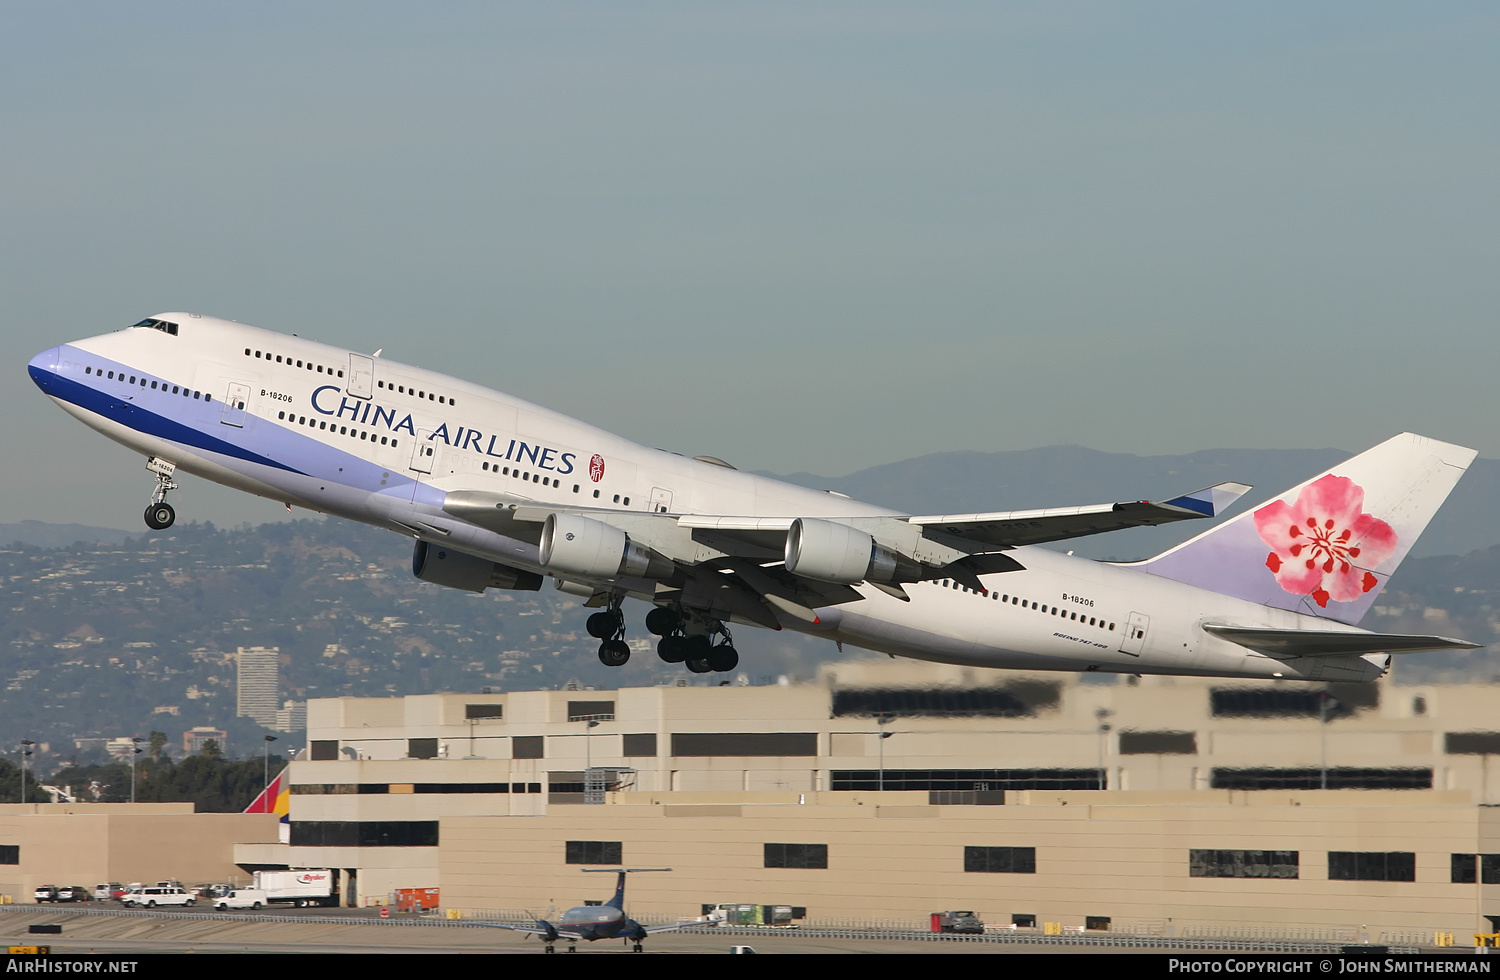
[[1322, 545]]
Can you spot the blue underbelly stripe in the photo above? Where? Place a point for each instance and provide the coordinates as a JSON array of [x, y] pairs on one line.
[[142, 420]]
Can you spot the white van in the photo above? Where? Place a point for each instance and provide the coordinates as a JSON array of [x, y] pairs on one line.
[[157, 895], [241, 898]]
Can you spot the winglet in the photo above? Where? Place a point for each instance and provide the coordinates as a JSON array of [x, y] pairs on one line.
[[1210, 501]]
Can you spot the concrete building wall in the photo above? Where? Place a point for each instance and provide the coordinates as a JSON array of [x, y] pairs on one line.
[[86, 844], [1124, 858]]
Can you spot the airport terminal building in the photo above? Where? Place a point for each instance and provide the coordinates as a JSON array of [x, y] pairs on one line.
[[890, 790]]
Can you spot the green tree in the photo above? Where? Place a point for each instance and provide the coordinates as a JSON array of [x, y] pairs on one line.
[[158, 743], [10, 785]]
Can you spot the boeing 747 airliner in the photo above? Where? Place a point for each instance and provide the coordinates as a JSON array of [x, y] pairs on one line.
[[499, 493]]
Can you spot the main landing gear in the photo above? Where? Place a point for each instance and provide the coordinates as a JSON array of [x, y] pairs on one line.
[[696, 650], [609, 627], [160, 515]]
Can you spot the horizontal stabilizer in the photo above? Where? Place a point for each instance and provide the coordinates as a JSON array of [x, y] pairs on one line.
[[1332, 643]]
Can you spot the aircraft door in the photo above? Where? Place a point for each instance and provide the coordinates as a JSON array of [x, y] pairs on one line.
[[424, 452], [661, 500], [361, 376], [1135, 634], [233, 410]]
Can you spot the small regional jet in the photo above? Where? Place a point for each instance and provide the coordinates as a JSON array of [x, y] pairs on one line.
[[592, 922], [500, 493]]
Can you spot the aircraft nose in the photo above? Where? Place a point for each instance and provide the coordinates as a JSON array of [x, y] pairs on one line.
[[43, 367]]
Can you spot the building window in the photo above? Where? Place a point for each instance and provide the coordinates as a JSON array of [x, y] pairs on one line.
[[421, 748], [325, 750], [527, 746], [640, 745], [1242, 864], [796, 855], [364, 833], [1001, 860], [472, 711], [704, 744], [10, 853], [1464, 869], [1471, 743], [596, 710], [979, 781], [1158, 743], [1022, 921], [594, 852], [1341, 778], [1372, 866]]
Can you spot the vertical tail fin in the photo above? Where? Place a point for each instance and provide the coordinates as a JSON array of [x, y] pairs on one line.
[[1327, 546], [618, 901]]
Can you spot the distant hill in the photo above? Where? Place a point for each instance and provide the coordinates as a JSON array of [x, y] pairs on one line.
[[36, 534]]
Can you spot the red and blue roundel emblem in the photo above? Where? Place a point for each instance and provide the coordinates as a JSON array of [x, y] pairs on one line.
[[596, 468]]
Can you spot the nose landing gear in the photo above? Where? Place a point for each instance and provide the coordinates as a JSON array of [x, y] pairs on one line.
[[160, 515]]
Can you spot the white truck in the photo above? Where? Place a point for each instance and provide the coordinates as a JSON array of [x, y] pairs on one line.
[[298, 888]]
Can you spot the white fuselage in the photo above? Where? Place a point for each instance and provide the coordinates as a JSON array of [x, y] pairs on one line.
[[380, 442]]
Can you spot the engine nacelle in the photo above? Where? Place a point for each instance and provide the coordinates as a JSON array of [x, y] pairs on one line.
[[832, 552], [442, 565], [576, 545]]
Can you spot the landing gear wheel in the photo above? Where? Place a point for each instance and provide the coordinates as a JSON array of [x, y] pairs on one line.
[[160, 516], [698, 666], [670, 649], [662, 621], [614, 653], [604, 625], [723, 658]]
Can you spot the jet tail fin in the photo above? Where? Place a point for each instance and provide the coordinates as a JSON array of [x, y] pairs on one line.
[[1328, 546]]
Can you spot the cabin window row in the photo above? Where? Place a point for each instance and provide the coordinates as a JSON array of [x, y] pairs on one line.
[[1028, 604], [291, 362], [406, 390], [342, 430], [143, 382], [526, 476]]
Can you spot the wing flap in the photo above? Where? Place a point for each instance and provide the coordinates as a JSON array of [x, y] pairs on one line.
[[1332, 643], [1010, 529]]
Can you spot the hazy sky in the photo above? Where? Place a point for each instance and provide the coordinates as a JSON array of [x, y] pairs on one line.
[[798, 236]]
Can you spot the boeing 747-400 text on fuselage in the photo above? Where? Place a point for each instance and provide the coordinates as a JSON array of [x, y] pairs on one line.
[[500, 493]]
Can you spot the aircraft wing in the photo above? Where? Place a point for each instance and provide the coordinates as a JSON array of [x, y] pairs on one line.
[[534, 931], [652, 930], [1010, 529], [1332, 643], [739, 564]]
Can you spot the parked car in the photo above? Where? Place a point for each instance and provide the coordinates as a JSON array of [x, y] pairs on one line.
[[108, 890], [73, 893], [45, 893], [241, 898], [157, 895]]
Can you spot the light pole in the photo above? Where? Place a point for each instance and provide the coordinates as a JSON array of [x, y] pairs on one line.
[[26, 745], [266, 781], [135, 750], [1100, 714], [1325, 705], [884, 718]]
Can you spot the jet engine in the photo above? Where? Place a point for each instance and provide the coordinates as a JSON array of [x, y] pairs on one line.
[[576, 545], [456, 570], [832, 552]]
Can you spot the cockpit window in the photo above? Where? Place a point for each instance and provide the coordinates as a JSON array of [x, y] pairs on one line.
[[162, 325]]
